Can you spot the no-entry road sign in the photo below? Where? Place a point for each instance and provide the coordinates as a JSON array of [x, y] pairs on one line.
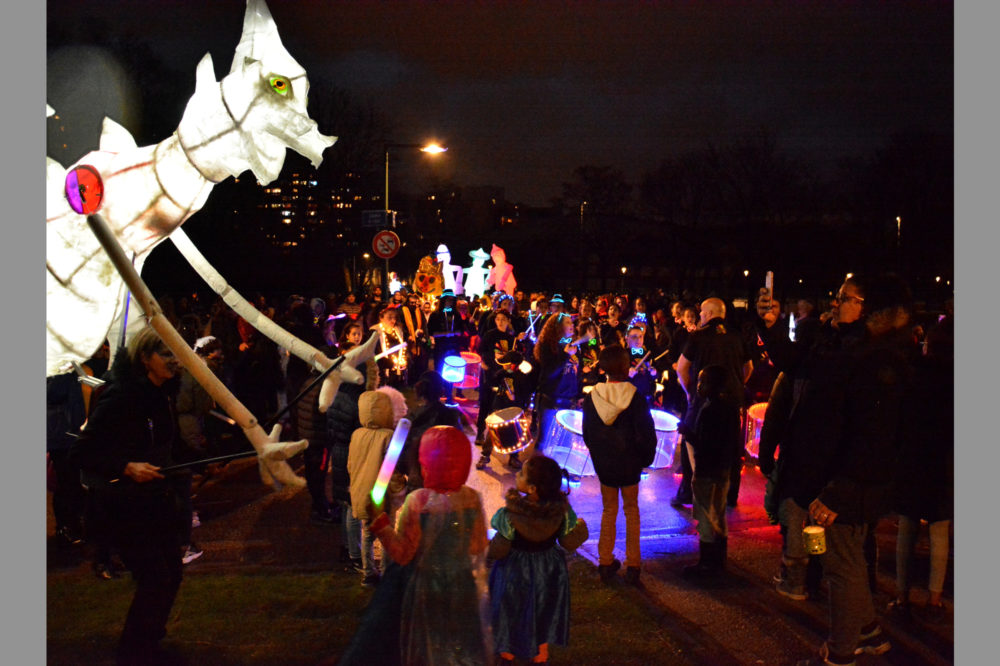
[[385, 244]]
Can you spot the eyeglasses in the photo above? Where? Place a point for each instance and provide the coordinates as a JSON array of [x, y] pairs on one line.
[[841, 297]]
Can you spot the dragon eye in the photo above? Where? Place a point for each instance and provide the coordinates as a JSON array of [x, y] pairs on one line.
[[279, 84]]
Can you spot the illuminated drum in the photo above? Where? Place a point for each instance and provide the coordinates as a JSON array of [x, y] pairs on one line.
[[565, 443], [508, 430], [471, 377], [666, 437], [453, 369], [755, 421]]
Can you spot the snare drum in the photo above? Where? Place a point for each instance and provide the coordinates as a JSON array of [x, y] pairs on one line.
[[471, 378], [755, 421], [508, 430], [666, 437], [565, 443]]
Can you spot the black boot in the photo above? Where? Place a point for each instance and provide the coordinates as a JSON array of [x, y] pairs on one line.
[[683, 495], [709, 561]]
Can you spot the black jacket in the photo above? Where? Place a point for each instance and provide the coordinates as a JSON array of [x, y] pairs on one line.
[[620, 449], [716, 438], [341, 422], [133, 421]]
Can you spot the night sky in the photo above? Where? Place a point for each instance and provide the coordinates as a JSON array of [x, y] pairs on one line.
[[523, 93]]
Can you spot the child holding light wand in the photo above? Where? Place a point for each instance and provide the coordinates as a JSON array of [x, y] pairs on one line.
[[429, 608]]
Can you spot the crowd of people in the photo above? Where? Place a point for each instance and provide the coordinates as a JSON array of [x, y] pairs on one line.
[[839, 444]]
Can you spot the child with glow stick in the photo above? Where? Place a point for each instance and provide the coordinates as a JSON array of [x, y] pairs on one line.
[[430, 606], [529, 583], [364, 458]]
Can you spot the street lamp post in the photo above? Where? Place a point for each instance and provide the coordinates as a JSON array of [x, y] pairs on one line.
[[899, 255], [430, 149]]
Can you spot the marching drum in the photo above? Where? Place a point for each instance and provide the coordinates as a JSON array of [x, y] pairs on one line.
[[565, 443], [666, 437], [508, 430], [453, 369], [471, 378], [755, 421]]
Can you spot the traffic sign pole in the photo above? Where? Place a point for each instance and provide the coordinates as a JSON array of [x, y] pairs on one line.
[[386, 244]]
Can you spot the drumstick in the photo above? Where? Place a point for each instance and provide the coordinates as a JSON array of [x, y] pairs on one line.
[[389, 462]]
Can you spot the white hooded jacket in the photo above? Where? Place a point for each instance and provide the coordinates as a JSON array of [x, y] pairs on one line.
[[611, 399]]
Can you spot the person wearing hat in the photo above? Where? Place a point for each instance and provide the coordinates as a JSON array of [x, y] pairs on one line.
[[446, 328], [557, 304], [496, 387]]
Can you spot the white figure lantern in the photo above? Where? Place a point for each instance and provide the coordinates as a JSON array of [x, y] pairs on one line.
[[452, 272], [475, 275]]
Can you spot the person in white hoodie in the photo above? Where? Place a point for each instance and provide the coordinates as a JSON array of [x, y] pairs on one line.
[[378, 416], [618, 430]]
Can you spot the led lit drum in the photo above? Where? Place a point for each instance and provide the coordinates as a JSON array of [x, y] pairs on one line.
[[453, 369], [564, 443], [470, 379], [755, 421], [508, 430], [666, 437]]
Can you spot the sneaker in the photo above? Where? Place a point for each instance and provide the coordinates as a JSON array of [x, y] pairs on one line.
[[514, 462], [482, 462], [872, 642], [356, 566], [680, 500], [195, 520], [786, 590], [191, 553], [632, 576], [105, 571], [371, 580], [607, 571]]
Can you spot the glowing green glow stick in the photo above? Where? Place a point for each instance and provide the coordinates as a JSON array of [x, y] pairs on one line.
[[389, 462]]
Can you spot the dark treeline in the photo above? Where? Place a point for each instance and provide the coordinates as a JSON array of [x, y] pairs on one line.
[[695, 221]]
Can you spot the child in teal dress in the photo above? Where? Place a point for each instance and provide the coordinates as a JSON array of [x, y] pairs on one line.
[[529, 583]]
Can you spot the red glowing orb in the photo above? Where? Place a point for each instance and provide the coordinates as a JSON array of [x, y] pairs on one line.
[[84, 189]]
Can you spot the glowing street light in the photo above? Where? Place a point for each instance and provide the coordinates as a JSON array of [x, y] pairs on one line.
[[429, 148]]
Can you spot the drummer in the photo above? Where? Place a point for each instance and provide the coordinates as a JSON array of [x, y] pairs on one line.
[[494, 381], [641, 372]]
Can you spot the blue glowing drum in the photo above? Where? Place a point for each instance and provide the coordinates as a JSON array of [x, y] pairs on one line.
[[754, 423], [508, 430], [453, 369], [565, 443], [666, 437]]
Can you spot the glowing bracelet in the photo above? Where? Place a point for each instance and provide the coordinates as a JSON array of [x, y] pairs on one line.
[[389, 462]]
